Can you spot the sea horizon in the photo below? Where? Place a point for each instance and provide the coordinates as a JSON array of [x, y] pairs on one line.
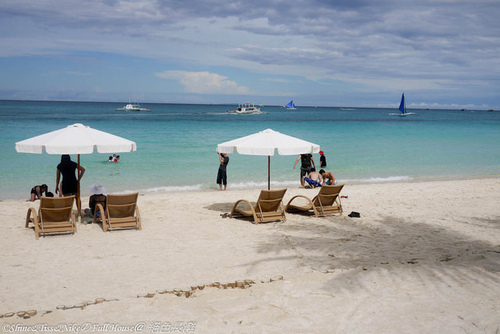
[[257, 104]]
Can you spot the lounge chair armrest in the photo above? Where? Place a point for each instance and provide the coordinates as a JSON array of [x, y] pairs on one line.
[[138, 215], [298, 196], [99, 208], [238, 202], [73, 220], [31, 213]]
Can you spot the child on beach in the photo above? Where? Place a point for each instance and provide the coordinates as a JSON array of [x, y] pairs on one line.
[[37, 191]]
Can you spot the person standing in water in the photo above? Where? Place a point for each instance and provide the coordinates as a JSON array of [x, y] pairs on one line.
[[305, 168], [322, 159]]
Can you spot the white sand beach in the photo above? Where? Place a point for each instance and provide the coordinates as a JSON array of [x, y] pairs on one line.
[[423, 258]]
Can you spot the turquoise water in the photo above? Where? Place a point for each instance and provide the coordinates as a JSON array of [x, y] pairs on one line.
[[176, 145]]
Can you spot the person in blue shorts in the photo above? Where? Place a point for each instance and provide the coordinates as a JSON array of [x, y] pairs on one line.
[[313, 179]]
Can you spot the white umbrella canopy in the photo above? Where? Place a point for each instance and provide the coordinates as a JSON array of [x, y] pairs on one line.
[[266, 143], [76, 139]]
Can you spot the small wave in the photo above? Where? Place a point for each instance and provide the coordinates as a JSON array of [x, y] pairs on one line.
[[173, 188], [382, 179], [263, 184]]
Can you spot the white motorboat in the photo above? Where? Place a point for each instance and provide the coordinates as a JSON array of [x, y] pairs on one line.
[[133, 107], [246, 109]]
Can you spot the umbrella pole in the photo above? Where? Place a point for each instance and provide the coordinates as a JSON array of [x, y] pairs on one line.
[[78, 202], [268, 172]]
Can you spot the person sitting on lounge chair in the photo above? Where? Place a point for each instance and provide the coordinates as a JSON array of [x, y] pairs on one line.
[[313, 179], [98, 197]]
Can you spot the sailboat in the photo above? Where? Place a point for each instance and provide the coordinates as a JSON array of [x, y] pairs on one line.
[[402, 105], [291, 106], [402, 108]]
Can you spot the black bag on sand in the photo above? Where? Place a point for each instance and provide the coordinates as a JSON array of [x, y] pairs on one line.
[[354, 214]]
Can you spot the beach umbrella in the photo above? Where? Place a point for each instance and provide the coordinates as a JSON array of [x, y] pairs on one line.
[[76, 139], [266, 143]]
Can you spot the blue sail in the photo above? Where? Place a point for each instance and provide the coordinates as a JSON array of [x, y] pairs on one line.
[[402, 105], [290, 105]]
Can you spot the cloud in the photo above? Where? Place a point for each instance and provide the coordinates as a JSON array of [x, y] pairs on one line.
[[430, 46], [204, 82]]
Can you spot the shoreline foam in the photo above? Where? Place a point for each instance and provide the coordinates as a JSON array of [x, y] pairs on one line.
[[279, 184]]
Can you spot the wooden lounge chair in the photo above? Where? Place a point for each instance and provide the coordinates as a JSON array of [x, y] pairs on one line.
[[269, 207], [55, 215], [326, 202], [121, 212]]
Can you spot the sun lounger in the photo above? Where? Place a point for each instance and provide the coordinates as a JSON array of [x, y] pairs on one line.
[[121, 212], [55, 215], [269, 207], [326, 202]]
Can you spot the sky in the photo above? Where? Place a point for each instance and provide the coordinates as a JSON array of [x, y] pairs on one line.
[[442, 54]]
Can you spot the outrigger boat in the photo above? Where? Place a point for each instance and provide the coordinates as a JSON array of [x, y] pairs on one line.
[[246, 109], [290, 105]]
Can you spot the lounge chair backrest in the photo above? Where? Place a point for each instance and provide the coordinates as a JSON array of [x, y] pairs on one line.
[[56, 208], [270, 200], [327, 195], [122, 205]]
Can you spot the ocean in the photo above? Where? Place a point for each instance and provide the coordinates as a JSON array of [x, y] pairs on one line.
[[176, 145]]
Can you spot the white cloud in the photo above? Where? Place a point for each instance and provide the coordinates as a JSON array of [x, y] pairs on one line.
[[204, 82], [444, 50]]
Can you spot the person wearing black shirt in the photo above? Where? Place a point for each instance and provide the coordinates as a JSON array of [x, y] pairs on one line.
[[306, 161], [222, 173], [322, 159], [69, 184]]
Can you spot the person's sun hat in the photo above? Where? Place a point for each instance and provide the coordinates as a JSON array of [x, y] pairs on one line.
[[97, 189]]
